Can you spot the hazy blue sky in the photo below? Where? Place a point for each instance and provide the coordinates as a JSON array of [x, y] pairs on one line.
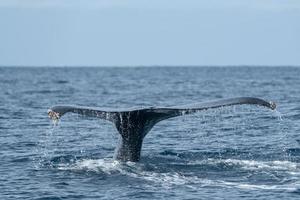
[[149, 32]]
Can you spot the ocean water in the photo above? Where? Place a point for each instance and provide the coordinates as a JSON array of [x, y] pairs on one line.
[[247, 152]]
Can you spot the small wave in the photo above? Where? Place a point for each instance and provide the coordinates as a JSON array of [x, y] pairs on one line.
[[45, 91], [61, 81], [252, 164], [168, 180], [288, 187]]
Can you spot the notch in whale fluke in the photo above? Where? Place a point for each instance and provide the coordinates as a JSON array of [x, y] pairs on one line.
[[134, 124]]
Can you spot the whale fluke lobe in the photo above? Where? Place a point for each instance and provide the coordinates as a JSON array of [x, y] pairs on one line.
[[57, 112], [134, 124]]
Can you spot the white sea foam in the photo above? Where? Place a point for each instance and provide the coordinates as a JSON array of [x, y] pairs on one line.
[[170, 179], [287, 187], [107, 166], [252, 164], [135, 170]]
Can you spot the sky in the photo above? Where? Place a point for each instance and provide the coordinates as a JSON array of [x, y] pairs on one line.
[[149, 32]]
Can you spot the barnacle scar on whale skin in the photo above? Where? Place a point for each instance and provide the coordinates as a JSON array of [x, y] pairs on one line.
[[53, 115], [134, 124]]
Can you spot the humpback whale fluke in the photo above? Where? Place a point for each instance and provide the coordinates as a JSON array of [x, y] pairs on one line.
[[134, 124]]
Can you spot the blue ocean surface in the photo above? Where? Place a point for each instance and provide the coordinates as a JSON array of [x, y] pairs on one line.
[[236, 152]]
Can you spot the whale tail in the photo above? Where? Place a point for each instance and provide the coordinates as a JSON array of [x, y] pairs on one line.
[[134, 124]]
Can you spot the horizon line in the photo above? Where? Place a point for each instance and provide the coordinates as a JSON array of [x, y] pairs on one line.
[[137, 66]]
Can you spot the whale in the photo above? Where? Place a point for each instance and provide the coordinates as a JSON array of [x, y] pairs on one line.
[[133, 124]]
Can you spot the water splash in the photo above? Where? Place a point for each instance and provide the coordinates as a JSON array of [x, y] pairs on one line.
[[278, 114], [44, 149]]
